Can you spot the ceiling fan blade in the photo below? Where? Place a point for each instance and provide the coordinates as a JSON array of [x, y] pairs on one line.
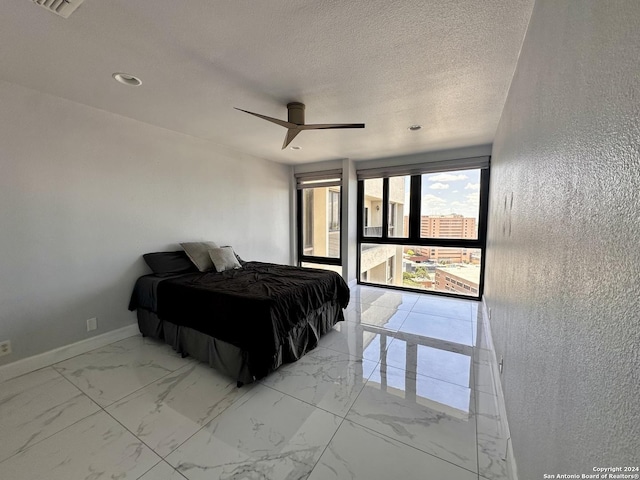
[[277, 121], [291, 134], [324, 126]]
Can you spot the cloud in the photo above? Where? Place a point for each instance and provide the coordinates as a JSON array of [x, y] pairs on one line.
[[446, 177], [466, 205], [434, 205], [439, 186], [472, 186]]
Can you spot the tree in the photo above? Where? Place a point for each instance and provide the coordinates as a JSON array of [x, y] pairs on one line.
[[408, 279]]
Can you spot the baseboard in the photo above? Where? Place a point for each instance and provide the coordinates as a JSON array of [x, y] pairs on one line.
[[502, 410], [30, 364]]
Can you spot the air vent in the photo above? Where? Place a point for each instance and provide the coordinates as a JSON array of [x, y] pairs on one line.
[[63, 8]]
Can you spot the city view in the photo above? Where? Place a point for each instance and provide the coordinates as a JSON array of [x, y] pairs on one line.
[[449, 209]]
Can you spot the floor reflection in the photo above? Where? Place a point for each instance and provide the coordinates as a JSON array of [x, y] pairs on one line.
[[434, 371]]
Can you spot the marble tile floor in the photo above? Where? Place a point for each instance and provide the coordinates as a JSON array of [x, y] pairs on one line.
[[401, 389]]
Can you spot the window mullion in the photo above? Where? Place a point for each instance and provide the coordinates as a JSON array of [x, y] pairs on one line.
[[414, 208], [385, 208]]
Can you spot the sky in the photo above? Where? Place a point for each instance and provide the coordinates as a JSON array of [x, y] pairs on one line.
[[451, 192]]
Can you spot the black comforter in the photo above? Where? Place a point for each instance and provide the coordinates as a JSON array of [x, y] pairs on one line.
[[253, 308]]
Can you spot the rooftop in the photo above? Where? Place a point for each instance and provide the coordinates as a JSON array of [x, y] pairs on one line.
[[469, 273]]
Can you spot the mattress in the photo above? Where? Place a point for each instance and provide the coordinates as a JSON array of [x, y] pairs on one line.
[[269, 312]]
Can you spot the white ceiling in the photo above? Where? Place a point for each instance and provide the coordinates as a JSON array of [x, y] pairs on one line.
[[444, 64]]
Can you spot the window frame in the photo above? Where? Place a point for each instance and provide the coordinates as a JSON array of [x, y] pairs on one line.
[[414, 238], [302, 258]]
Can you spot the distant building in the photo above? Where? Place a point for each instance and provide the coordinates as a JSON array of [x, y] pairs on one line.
[[448, 226], [461, 279]]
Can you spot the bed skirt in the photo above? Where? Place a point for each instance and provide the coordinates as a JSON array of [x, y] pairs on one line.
[[230, 359]]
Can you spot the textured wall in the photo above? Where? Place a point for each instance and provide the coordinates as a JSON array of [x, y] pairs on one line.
[[84, 193], [563, 260]]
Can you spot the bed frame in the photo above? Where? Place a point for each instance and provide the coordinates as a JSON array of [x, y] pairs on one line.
[[230, 359]]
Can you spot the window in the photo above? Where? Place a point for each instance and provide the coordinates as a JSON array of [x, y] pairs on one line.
[[398, 206], [334, 209], [319, 218], [372, 206], [403, 266], [435, 225], [308, 221], [450, 204], [321, 222]]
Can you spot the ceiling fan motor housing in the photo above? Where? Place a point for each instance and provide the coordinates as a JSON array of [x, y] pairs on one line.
[[296, 113]]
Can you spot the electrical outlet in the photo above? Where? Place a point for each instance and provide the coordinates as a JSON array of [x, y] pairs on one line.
[[5, 348], [92, 324]]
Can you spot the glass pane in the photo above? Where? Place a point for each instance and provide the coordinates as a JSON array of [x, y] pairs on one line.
[[372, 214], [320, 266], [399, 189], [450, 204], [321, 222], [442, 269]]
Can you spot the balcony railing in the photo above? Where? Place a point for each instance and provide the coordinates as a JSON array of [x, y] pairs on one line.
[[373, 231]]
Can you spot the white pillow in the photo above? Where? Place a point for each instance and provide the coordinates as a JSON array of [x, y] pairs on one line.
[[198, 253], [224, 259]]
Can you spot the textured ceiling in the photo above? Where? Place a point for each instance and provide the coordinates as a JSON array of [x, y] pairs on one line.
[[444, 64]]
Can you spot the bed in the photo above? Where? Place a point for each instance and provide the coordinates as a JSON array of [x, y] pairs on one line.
[[243, 322]]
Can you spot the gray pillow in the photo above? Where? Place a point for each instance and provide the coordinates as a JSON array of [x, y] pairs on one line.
[[198, 253], [240, 260], [224, 259]]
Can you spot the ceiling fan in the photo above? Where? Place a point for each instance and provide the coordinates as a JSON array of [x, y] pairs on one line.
[[296, 124]]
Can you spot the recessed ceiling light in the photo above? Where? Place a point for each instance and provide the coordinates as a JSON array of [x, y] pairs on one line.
[[127, 79], [415, 128], [295, 147]]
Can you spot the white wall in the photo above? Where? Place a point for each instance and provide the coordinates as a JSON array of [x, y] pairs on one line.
[[84, 193], [563, 257], [350, 222]]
